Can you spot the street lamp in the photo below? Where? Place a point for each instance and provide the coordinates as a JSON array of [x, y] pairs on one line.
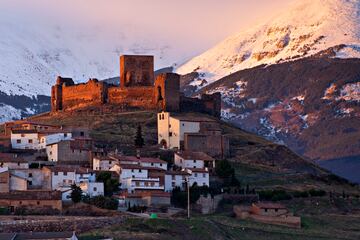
[[188, 196]]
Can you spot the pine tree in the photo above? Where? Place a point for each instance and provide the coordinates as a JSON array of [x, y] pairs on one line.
[[76, 193], [139, 140]]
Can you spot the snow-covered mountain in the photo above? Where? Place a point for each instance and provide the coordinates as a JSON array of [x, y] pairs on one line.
[[294, 79], [305, 28], [34, 53]]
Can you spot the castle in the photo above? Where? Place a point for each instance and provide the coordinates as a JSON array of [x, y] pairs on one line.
[[139, 88]]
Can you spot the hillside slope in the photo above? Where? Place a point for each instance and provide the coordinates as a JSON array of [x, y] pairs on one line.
[[312, 105]]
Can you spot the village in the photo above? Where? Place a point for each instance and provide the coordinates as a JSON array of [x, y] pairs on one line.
[[46, 169]]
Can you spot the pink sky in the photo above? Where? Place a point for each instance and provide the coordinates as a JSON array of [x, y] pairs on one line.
[[192, 25]]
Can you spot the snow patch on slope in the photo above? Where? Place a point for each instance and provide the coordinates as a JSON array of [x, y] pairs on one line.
[[8, 113]]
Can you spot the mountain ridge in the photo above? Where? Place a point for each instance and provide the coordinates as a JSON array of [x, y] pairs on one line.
[[304, 29]]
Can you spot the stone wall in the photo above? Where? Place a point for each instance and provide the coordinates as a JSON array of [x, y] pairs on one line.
[[51, 223], [138, 97], [136, 71], [69, 154], [4, 182], [210, 104], [91, 93], [215, 145], [167, 91]]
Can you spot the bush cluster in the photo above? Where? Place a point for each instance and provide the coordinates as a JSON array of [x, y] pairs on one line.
[[137, 209], [278, 195], [102, 202]]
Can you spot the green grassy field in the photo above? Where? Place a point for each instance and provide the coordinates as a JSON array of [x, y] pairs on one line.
[[220, 226]]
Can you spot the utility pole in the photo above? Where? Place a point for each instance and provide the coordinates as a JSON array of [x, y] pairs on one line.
[[188, 197]]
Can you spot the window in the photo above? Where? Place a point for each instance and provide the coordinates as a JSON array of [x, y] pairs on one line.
[[38, 203], [195, 174], [204, 175], [152, 164], [22, 135], [55, 173], [170, 134], [133, 176], [18, 163], [30, 183], [30, 174], [20, 202], [139, 170], [265, 209], [173, 177], [173, 184], [30, 141], [276, 210], [65, 173], [159, 116], [160, 164], [18, 141], [50, 153], [132, 170], [95, 189], [110, 162], [82, 134]]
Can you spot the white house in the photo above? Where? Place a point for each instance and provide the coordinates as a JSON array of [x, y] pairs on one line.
[[175, 179], [136, 177], [142, 161], [52, 138], [199, 176], [104, 163], [171, 129], [25, 139], [62, 177], [133, 171], [190, 160], [13, 161], [36, 139], [93, 188], [133, 184]]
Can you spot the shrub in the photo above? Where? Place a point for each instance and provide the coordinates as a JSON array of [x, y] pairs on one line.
[[317, 193], [104, 202], [4, 211], [300, 194], [224, 169], [76, 193], [274, 195], [110, 185], [137, 209]]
